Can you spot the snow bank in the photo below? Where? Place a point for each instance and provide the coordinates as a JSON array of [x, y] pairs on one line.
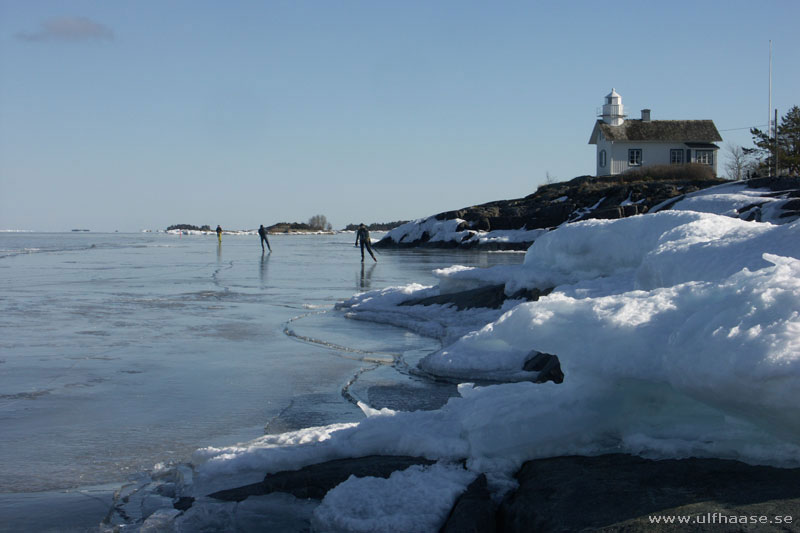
[[642, 252], [703, 308]]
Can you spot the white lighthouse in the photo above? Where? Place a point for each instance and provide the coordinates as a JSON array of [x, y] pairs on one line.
[[613, 110], [624, 144]]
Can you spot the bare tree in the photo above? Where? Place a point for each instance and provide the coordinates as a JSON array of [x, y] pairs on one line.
[[319, 222], [738, 162]]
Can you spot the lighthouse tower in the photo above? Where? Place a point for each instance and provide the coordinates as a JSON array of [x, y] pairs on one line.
[[613, 110]]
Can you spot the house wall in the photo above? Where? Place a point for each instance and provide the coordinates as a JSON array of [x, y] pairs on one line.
[[652, 154]]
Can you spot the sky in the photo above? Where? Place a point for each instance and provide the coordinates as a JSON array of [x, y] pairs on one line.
[[138, 115]]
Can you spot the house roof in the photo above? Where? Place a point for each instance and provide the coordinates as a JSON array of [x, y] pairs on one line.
[[658, 130]]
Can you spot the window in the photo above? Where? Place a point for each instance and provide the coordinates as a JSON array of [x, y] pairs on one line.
[[676, 156], [635, 157], [705, 157], [601, 159]]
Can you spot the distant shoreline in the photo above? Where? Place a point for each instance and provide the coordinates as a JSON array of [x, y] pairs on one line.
[[252, 232]]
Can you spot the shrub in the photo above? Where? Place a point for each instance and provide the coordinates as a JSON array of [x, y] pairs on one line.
[[686, 172]]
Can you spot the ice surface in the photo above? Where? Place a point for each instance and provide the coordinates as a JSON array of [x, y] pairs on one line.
[[122, 351]]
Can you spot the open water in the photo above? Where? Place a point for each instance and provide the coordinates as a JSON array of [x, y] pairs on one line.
[[121, 351]]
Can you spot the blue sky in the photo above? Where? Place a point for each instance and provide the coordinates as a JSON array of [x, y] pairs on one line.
[[133, 115]]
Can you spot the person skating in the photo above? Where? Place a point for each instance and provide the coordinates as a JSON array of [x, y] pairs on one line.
[[262, 232], [219, 233], [362, 235]]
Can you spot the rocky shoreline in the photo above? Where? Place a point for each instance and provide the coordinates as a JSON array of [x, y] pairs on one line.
[[487, 226], [700, 489], [612, 492]]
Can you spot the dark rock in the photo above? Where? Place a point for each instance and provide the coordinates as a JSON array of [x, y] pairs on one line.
[[473, 512], [791, 205], [490, 296], [547, 365], [184, 503], [482, 224], [748, 207], [777, 183], [314, 481], [554, 204], [612, 213], [619, 492], [531, 295]]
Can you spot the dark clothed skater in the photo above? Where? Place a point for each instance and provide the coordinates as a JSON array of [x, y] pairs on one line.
[[262, 232], [362, 234], [219, 233]]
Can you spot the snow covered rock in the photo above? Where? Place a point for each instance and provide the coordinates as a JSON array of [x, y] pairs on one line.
[[515, 224], [314, 481], [547, 365]]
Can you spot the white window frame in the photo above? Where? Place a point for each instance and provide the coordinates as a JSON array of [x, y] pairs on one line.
[[634, 157], [704, 157], [676, 156]]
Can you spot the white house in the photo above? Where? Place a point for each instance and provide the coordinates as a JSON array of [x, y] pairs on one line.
[[623, 144]]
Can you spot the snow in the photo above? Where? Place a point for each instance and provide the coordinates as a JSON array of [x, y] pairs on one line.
[[678, 333], [506, 236], [410, 500], [447, 231], [437, 230], [731, 199], [628, 200]]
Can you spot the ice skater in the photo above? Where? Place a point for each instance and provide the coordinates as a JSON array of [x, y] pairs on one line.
[[219, 233], [262, 232], [362, 234]]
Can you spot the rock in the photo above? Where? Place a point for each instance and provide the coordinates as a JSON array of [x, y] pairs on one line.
[[547, 365], [473, 512], [184, 503], [482, 224], [531, 295], [551, 205], [314, 481], [784, 188], [620, 492], [614, 492], [490, 297]]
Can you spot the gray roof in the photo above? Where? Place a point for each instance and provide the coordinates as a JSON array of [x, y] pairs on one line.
[[658, 130]]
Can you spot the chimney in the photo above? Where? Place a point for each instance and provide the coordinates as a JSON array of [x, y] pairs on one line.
[[645, 115]]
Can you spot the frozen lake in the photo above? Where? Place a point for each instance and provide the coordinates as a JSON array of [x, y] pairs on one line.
[[121, 351]]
